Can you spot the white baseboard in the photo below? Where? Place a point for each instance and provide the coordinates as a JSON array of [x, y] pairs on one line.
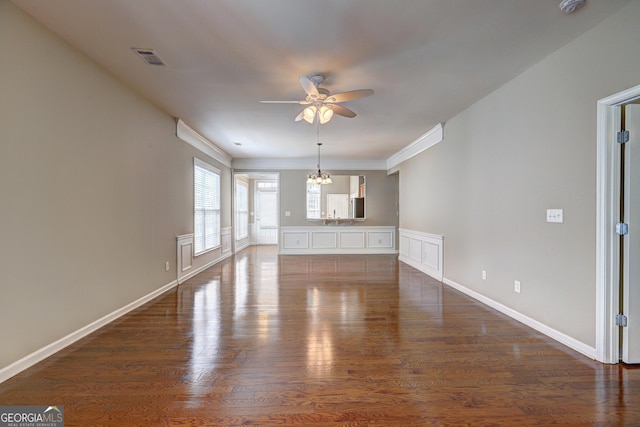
[[243, 246], [429, 272], [570, 342], [204, 267], [44, 352]]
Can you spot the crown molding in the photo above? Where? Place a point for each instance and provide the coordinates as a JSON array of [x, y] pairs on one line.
[[429, 139], [190, 136], [308, 163]]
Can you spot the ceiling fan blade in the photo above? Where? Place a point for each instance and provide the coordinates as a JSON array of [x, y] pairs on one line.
[[284, 102], [309, 87], [342, 111], [348, 96]]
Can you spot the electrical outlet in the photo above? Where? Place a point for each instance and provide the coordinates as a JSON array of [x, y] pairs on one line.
[[166, 266], [516, 286], [484, 275]]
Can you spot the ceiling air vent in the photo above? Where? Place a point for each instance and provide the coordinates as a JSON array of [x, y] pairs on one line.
[[149, 56]]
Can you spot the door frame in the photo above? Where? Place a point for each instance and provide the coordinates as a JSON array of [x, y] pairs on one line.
[[607, 214], [256, 190], [252, 176]]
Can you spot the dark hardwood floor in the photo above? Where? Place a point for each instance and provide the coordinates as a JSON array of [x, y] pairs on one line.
[[323, 340]]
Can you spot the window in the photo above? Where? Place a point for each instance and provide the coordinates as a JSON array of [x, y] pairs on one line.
[[267, 185], [242, 210], [313, 200], [206, 201]]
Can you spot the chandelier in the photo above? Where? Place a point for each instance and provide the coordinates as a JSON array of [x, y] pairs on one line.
[[318, 177]]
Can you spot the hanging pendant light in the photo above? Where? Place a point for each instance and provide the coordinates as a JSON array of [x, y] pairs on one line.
[[319, 177]]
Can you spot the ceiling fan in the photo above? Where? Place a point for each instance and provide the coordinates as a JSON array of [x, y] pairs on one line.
[[321, 103]]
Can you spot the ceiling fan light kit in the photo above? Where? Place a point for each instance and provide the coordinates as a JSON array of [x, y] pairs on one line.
[[325, 113], [321, 105], [320, 109], [309, 114]]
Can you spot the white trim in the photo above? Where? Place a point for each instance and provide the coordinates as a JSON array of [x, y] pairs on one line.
[[422, 251], [193, 138], [607, 334], [204, 165], [239, 183], [184, 251], [225, 239], [429, 139], [243, 246], [606, 292], [48, 350], [562, 338], [337, 239], [328, 164], [204, 267]]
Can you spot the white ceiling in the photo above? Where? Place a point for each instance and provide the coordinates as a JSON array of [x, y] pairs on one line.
[[426, 60]]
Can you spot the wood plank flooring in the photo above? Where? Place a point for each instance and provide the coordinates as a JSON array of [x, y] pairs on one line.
[[262, 340]]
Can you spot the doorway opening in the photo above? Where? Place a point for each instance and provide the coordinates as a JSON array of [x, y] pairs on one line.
[[256, 209]]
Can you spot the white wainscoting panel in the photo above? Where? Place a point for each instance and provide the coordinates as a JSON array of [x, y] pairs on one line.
[[324, 240], [352, 239], [423, 251], [185, 255], [337, 239], [189, 266], [381, 239], [295, 240], [415, 249], [225, 239]]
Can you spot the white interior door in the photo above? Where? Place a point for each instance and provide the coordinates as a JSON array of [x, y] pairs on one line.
[[631, 257], [266, 217]]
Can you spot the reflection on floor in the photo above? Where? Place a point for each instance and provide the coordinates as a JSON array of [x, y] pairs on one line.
[[323, 340]]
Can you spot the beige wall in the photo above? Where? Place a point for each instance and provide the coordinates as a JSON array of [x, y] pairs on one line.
[[529, 146], [94, 187]]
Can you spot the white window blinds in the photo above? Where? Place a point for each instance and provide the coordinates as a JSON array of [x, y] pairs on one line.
[[206, 197], [242, 210]]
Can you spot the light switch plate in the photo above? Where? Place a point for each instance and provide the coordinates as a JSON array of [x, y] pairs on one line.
[[555, 215]]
